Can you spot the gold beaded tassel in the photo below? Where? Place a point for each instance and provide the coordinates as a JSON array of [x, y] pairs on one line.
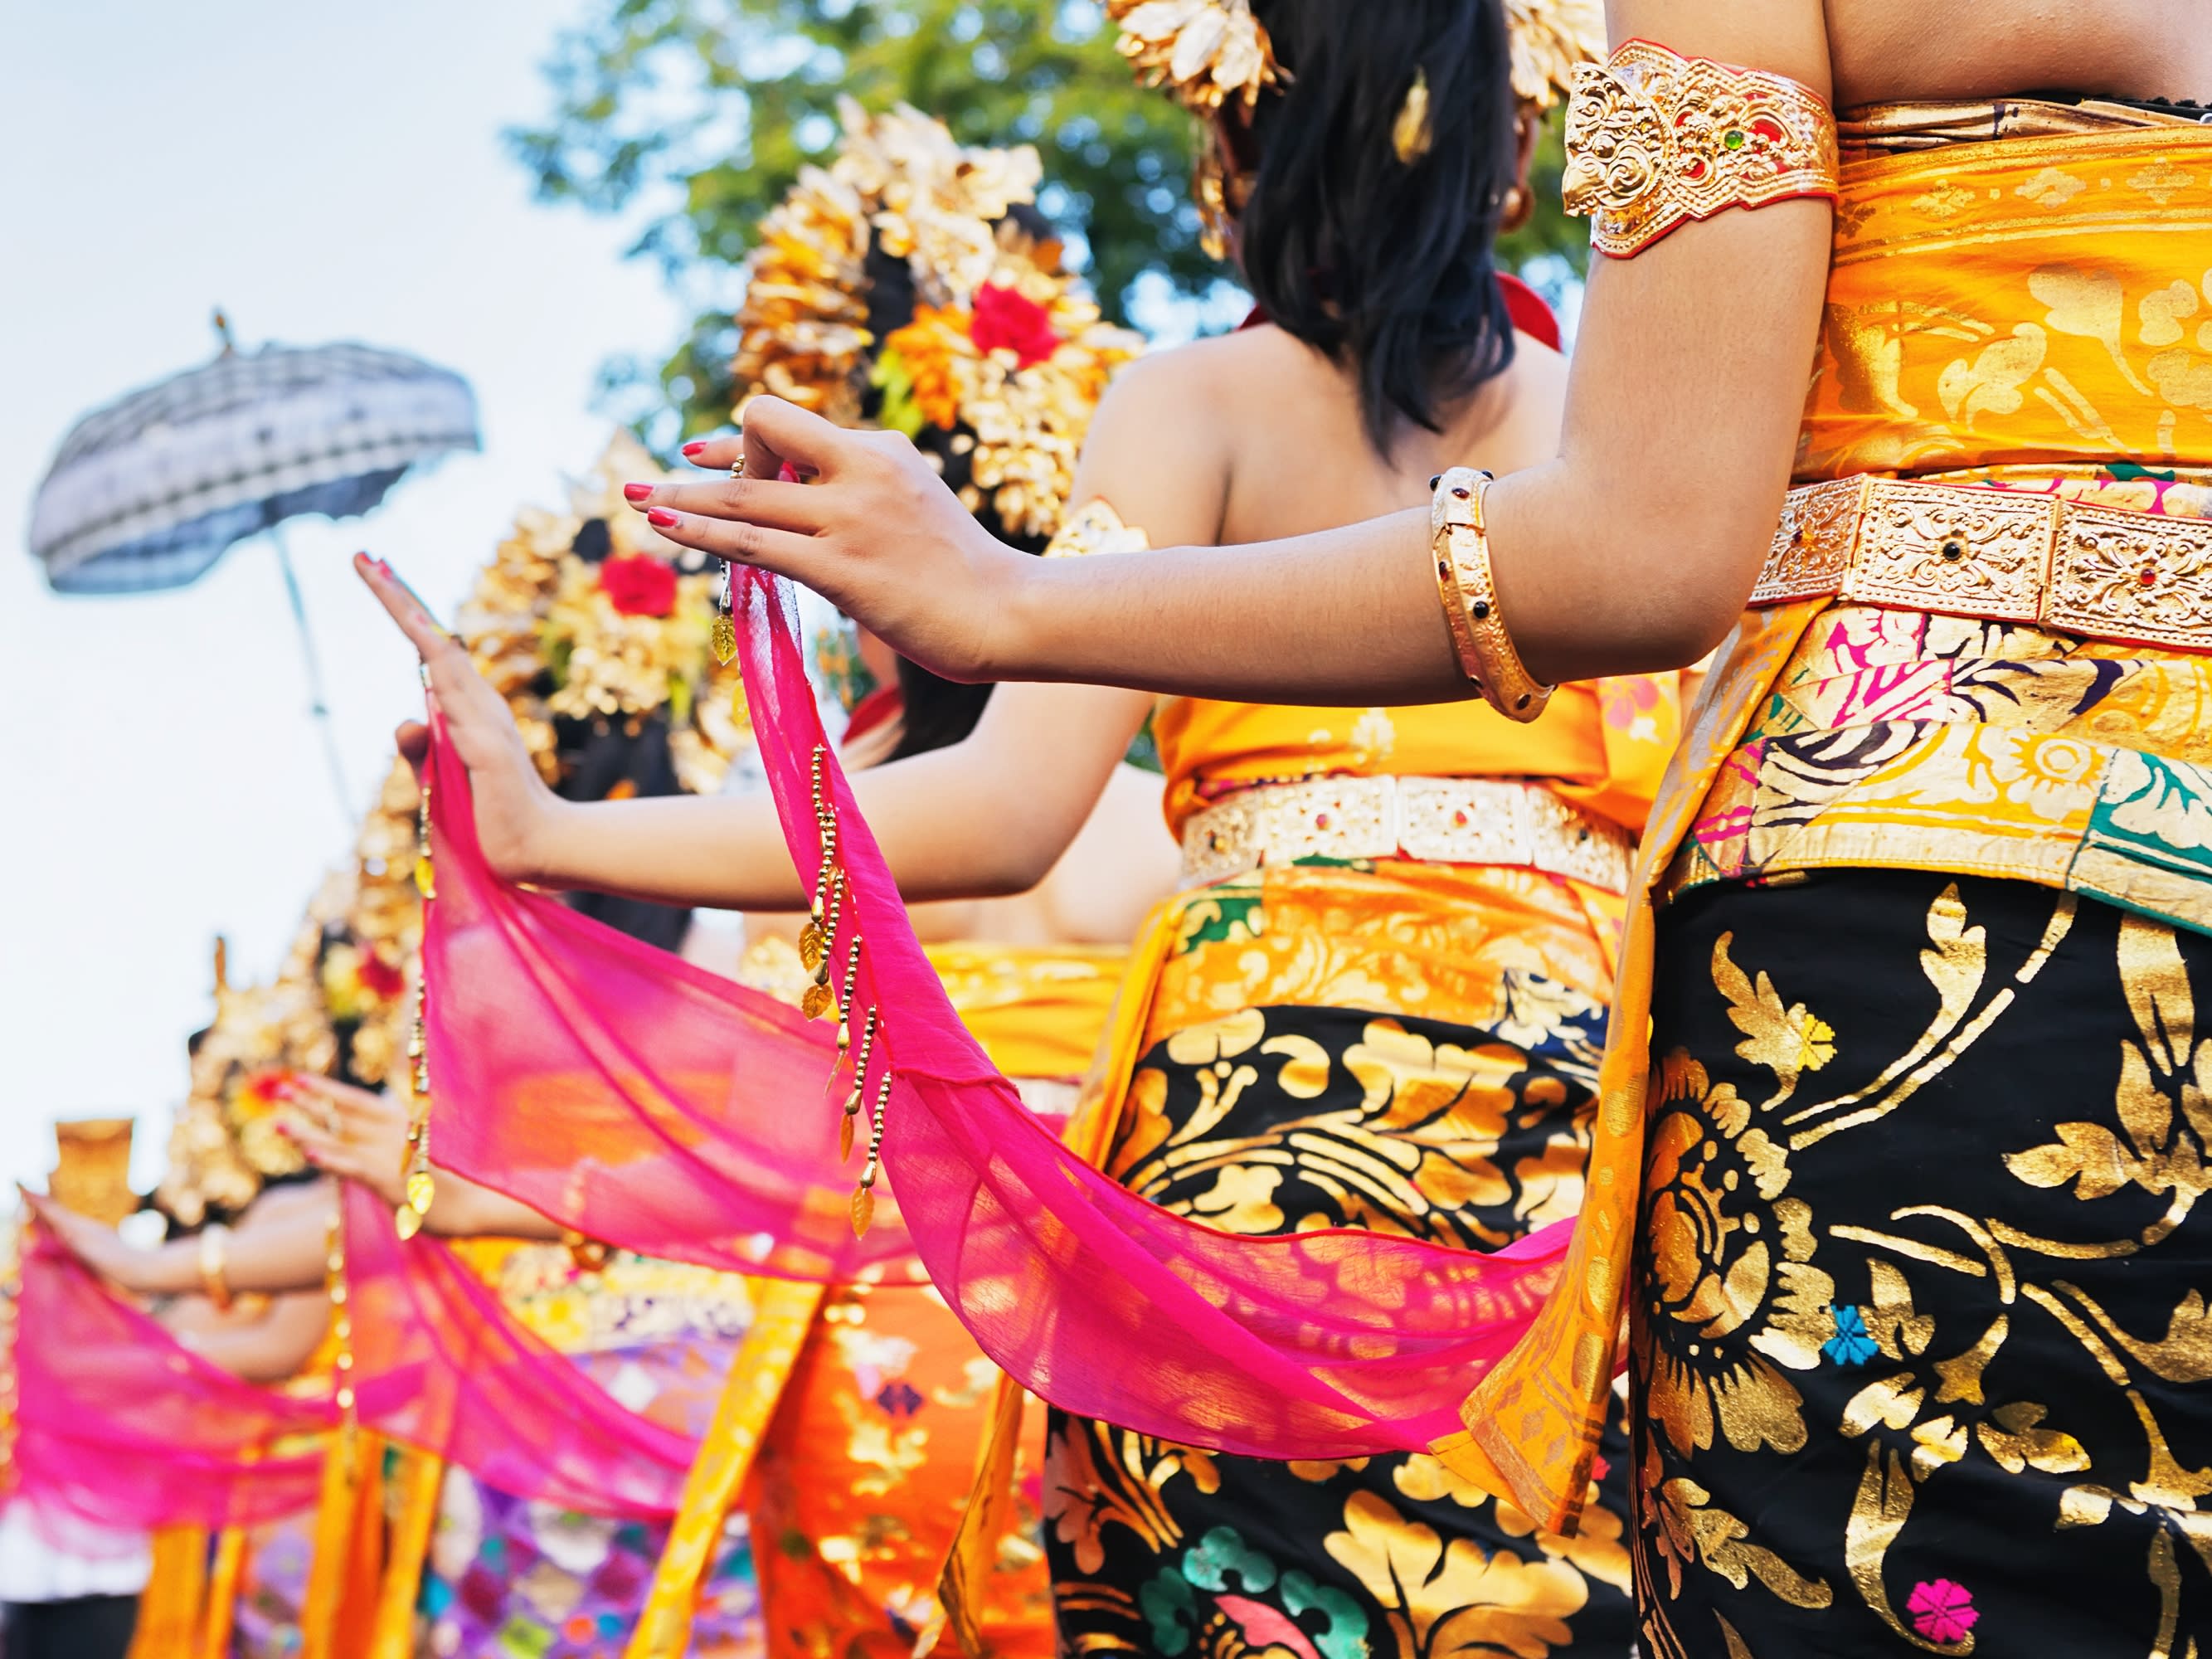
[[334, 1280], [420, 1185], [864, 1195], [818, 942], [853, 1101], [819, 935]]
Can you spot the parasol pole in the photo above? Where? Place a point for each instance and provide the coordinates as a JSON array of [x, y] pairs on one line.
[[320, 706]]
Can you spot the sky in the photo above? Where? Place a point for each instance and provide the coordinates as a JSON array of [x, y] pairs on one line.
[[324, 173]]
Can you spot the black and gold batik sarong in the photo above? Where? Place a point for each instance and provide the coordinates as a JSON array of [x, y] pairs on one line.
[[1920, 1318]]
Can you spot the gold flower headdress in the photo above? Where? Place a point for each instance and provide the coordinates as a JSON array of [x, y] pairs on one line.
[[620, 638], [1004, 356], [1207, 52]]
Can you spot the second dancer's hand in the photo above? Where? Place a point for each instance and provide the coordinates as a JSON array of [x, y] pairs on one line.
[[356, 1134], [513, 803], [887, 543]]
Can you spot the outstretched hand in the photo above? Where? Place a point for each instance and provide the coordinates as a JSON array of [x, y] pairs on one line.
[[103, 1249], [357, 1134], [512, 801], [872, 529]]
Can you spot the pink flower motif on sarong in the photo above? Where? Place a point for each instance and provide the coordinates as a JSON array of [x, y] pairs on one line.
[[1942, 1611]]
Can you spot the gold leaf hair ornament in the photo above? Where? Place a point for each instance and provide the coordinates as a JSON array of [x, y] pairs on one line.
[[1204, 52], [1411, 135]]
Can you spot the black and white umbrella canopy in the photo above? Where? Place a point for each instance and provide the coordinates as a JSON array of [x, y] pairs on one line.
[[147, 493]]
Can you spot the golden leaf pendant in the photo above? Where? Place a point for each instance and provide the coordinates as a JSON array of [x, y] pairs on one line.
[[724, 637], [425, 883], [813, 946], [406, 1223], [815, 1001], [421, 1190], [864, 1210], [845, 1137]]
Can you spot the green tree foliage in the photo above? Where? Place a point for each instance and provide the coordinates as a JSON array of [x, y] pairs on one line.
[[698, 114]]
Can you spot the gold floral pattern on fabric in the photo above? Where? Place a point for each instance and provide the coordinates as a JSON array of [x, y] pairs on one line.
[[1467, 945], [2022, 314], [1998, 1343], [2055, 359], [1407, 1048]]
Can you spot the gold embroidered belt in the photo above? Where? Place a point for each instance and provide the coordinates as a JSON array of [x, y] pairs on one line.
[[1430, 820], [1970, 550]]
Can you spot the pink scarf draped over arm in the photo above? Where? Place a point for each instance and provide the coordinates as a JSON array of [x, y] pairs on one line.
[[651, 1105]]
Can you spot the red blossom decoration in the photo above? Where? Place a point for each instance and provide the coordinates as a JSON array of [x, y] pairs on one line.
[[378, 977], [1007, 320], [639, 585]]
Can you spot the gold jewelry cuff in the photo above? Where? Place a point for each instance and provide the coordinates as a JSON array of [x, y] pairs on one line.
[[214, 1239], [1655, 140], [1462, 548]]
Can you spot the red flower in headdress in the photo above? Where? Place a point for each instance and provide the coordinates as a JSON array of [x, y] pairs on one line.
[[639, 585], [380, 978], [1007, 318]]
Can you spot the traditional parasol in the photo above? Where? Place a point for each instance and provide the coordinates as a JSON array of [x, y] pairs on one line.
[[148, 492]]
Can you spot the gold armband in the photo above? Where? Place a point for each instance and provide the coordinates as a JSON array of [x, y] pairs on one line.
[[1655, 140], [214, 1238], [1462, 548]]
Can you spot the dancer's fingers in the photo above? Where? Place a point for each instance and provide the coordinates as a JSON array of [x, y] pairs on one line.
[[802, 558], [769, 503], [779, 433]]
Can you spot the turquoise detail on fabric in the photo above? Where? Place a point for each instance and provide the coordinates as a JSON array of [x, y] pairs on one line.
[[1346, 1635], [1208, 1563], [1171, 1607]]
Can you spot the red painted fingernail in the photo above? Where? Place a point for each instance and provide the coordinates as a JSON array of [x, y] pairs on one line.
[[660, 518], [694, 447], [636, 492]]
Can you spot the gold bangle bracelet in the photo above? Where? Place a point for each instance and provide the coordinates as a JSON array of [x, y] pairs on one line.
[[213, 1238], [1462, 548]]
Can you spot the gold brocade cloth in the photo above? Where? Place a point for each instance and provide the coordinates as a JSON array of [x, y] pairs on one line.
[[2035, 315]]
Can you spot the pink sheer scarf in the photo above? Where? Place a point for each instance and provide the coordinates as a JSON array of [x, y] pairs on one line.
[[121, 1425], [651, 1106]]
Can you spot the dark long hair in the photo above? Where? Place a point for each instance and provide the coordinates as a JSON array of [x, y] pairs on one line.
[[1384, 266]]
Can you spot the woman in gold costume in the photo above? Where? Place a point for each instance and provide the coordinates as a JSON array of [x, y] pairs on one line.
[[1380, 1001], [1914, 1283]]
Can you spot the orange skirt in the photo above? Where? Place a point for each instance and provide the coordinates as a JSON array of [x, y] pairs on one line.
[[865, 1474]]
